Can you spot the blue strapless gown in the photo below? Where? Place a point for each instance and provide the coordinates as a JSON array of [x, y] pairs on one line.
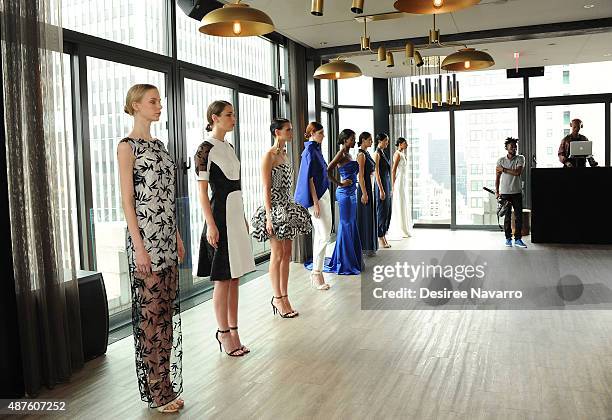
[[346, 258]]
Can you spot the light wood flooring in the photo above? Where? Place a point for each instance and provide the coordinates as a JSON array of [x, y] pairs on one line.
[[337, 361]]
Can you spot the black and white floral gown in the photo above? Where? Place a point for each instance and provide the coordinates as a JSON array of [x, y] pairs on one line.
[[288, 218], [156, 317]]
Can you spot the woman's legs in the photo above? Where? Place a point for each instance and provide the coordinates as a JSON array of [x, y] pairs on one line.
[[276, 258], [221, 303], [232, 311], [284, 272], [320, 236], [158, 292]]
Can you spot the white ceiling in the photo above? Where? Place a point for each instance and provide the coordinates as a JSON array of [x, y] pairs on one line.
[[337, 27]]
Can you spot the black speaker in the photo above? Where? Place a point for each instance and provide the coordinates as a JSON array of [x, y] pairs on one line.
[[94, 314], [525, 72], [197, 9]]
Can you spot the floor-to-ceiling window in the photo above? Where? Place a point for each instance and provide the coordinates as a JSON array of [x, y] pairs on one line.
[[429, 164], [356, 106], [479, 143], [107, 84], [553, 124]]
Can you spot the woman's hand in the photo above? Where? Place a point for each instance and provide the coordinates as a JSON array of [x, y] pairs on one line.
[[382, 194], [364, 199], [212, 235], [143, 261], [180, 248], [269, 227], [317, 209], [346, 182]]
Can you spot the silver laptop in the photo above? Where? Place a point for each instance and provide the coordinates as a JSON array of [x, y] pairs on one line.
[[581, 148]]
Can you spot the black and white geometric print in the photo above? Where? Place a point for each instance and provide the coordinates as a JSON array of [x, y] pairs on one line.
[[288, 218]]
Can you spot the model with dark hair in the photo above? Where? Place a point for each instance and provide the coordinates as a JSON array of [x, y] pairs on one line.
[[401, 218], [346, 258], [225, 246], [312, 192], [366, 204], [280, 219], [382, 189]]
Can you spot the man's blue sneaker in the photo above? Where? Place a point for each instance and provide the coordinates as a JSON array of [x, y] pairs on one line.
[[519, 243], [508, 242]]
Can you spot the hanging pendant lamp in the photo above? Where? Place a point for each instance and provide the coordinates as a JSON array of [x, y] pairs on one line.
[[430, 7], [337, 69], [467, 59], [236, 20]]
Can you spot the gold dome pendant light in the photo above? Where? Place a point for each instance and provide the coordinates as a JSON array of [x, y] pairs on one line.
[[467, 59], [236, 20], [429, 7], [337, 69]]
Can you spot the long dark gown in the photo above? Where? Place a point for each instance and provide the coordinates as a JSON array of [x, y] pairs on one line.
[[383, 207], [346, 258], [366, 213]]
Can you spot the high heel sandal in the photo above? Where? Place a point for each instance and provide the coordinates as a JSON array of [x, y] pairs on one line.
[[244, 348], [293, 311], [275, 309], [231, 353], [324, 286], [171, 407]]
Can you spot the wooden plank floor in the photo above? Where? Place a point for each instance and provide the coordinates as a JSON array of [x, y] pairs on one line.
[[336, 361]]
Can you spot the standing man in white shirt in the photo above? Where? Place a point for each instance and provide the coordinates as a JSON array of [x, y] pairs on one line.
[[508, 186]]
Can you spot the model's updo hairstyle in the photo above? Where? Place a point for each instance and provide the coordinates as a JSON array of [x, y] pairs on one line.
[[135, 94], [344, 135], [380, 137], [216, 108], [362, 137], [312, 128], [399, 141], [278, 124]]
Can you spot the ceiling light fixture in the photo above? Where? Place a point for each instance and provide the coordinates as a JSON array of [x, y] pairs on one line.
[[588, 6], [236, 19], [337, 69], [357, 6], [428, 7], [390, 61], [382, 54], [467, 59], [418, 59], [316, 8]]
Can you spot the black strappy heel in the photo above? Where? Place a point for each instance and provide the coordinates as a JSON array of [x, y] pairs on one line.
[[244, 348], [231, 353], [275, 309]]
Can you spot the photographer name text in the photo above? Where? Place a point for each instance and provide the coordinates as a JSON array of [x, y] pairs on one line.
[[425, 293]]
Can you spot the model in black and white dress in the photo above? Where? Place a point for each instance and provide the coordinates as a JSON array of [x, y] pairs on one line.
[[216, 162], [225, 247]]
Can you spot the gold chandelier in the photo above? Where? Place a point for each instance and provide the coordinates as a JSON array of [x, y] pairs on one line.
[[337, 69], [236, 20], [429, 87], [430, 7]]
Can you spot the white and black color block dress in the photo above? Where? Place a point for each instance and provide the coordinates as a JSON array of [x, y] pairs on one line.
[[217, 163]]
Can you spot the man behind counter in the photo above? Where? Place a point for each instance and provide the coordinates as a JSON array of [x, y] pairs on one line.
[[564, 148]]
